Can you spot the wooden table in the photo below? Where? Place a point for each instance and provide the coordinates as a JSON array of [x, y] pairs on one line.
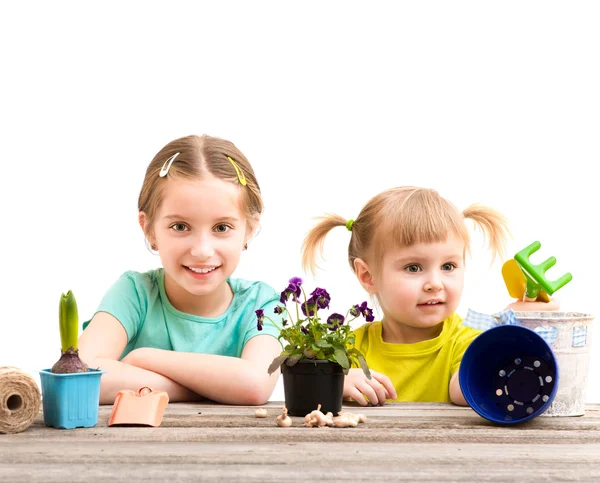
[[409, 441]]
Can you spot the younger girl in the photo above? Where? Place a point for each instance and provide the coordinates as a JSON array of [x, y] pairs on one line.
[[188, 328], [408, 248]]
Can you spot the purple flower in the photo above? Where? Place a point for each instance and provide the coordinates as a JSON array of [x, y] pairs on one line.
[[284, 322], [304, 330], [334, 321], [260, 315], [296, 281], [278, 310], [362, 307], [293, 290], [285, 295], [363, 310], [368, 313], [309, 308], [322, 297]]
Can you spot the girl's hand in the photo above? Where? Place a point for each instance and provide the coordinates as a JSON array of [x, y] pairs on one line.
[[365, 391]]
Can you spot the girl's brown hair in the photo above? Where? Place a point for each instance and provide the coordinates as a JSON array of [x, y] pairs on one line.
[[404, 216], [200, 155]]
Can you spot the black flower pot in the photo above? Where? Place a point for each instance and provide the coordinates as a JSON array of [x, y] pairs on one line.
[[309, 383]]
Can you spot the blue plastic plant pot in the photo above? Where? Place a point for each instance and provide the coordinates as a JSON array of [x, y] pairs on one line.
[[509, 374], [71, 400]]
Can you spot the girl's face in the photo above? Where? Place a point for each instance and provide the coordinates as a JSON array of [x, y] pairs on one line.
[[420, 285], [199, 232]]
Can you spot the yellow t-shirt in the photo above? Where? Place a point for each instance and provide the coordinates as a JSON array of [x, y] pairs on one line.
[[422, 371]]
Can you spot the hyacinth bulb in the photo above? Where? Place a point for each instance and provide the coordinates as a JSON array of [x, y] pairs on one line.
[[68, 317]]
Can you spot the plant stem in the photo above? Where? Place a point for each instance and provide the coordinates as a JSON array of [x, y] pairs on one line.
[[273, 322]]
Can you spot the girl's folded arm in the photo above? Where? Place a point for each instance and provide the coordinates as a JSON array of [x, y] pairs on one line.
[[101, 345], [224, 379]]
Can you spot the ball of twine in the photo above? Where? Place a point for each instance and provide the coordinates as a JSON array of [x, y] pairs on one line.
[[19, 400]]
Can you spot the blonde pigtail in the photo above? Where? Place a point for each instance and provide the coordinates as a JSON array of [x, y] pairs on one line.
[[493, 225], [314, 240]]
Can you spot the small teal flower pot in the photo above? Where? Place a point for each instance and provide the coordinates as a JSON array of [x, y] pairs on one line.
[[71, 400]]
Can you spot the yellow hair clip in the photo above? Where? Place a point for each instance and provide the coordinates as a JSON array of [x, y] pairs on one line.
[[239, 172]]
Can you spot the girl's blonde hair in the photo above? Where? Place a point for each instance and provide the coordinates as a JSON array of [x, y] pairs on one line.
[[200, 155], [404, 216]]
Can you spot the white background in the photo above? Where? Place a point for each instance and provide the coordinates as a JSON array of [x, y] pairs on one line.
[[332, 102]]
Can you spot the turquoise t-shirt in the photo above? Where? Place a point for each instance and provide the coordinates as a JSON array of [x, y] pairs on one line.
[[140, 303]]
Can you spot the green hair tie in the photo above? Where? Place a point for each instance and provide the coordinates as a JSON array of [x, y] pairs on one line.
[[349, 225]]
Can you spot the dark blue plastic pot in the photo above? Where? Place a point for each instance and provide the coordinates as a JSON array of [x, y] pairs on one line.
[[509, 374]]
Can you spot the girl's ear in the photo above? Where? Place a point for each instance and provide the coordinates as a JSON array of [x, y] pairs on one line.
[[364, 276], [143, 221]]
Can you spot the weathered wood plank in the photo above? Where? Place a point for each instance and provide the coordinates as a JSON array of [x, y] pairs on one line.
[[204, 442], [492, 435], [395, 415], [590, 408], [301, 462], [408, 406]]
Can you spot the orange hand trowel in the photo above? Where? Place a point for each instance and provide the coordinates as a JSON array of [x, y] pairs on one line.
[[516, 283], [146, 407]]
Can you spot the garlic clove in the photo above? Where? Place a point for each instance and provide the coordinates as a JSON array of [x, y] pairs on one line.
[[329, 419], [344, 421], [283, 420]]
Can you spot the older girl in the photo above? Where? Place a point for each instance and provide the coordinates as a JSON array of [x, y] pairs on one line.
[[188, 327]]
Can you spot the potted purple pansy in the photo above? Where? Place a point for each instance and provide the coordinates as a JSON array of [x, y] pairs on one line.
[[319, 351]]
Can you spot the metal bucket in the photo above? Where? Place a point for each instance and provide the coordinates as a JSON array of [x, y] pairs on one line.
[[569, 336]]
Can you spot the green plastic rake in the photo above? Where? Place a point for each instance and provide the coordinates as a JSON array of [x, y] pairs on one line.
[[536, 274]]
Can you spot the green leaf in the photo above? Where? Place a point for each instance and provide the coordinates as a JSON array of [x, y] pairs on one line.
[[322, 344], [321, 356], [291, 361], [68, 321], [341, 358], [276, 363], [363, 365], [309, 353]]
